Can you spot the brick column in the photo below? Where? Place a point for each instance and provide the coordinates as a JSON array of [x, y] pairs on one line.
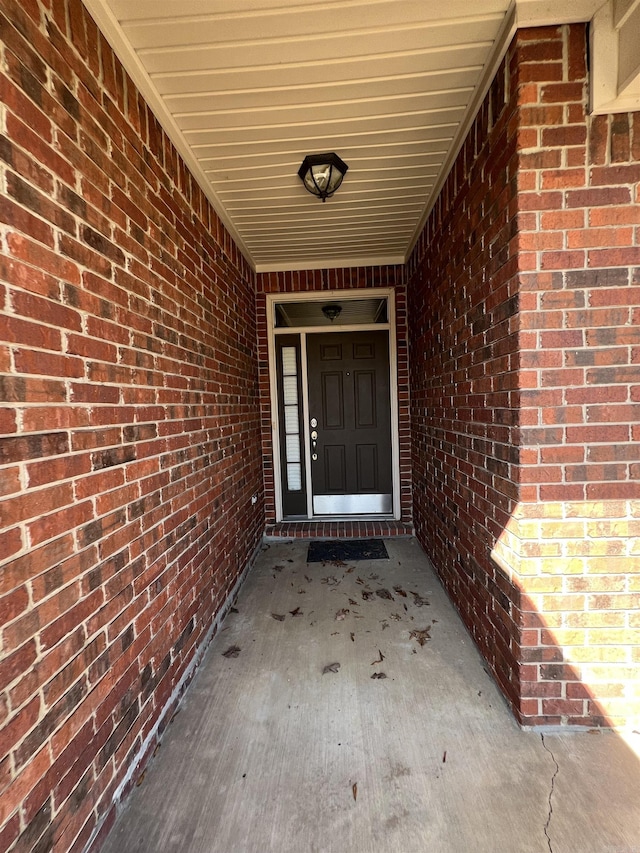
[[573, 543]]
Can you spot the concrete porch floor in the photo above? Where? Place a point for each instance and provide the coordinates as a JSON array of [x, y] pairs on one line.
[[266, 751]]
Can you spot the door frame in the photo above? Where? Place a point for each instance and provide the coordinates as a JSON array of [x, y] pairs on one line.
[[303, 331]]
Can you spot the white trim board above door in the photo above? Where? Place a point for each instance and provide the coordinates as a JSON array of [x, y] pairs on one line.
[[299, 446]]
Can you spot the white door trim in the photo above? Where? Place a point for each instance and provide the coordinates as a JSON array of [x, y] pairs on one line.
[[272, 332]]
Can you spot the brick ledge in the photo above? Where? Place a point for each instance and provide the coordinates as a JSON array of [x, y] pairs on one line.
[[337, 529]]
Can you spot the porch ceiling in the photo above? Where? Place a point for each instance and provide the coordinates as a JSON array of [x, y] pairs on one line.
[[247, 88]]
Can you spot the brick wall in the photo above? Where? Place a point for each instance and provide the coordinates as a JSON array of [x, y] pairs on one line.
[[304, 281], [576, 535], [130, 423], [526, 389], [463, 301]]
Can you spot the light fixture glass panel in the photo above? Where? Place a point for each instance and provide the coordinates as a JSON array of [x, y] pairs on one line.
[[291, 421], [289, 367], [293, 448], [294, 476], [290, 390], [322, 175]]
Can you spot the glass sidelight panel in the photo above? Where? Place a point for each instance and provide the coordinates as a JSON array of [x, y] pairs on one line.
[[291, 418], [294, 497]]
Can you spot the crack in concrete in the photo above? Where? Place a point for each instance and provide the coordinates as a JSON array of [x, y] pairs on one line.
[[551, 790]]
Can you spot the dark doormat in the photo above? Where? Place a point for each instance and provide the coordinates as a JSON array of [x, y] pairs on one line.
[[346, 549]]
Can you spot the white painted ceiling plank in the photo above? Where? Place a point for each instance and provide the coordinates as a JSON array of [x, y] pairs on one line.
[[246, 88]]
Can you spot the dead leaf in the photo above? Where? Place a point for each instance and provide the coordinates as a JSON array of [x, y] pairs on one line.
[[379, 675], [331, 580], [396, 617], [233, 610], [384, 593], [367, 595], [353, 637], [380, 659], [400, 591], [336, 634], [349, 570], [302, 592], [421, 636], [140, 779], [232, 652], [308, 579], [385, 625], [418, 600], [331, 667], [279, 617], [337, 563], [444, 757], [353, 603], [296, 612], [342, 614], [354, 790], [359, 580]]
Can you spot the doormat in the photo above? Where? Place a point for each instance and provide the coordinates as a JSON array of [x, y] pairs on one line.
[[345, 550]]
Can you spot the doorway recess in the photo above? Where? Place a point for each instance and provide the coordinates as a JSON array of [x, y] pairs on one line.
[[334, 404]]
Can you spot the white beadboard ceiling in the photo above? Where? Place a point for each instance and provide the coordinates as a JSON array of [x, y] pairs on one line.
[[247, 88]]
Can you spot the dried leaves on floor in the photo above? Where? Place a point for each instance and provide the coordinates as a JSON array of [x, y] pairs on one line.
[[342, 614], [384, 593], [296, 612], [418, 600], [379, 660], [421, 636], [232, 652], [331, 667], [354, 790], [278, 616], [379, 675]]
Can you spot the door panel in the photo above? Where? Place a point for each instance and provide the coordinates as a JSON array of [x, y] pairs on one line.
[[335, 469], [365, 399], [349, 396], [367, 462], [332, 401]]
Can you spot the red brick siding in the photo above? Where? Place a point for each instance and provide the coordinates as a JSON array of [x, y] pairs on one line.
[[463, 302], [547, 579], [130, 421], [576, 540], [304, 281], [579, 236]]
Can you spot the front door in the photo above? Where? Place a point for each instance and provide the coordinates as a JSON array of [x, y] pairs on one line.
[[350, 423]]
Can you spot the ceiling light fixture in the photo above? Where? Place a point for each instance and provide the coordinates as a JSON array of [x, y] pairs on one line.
[[331, 311], [322, 174]]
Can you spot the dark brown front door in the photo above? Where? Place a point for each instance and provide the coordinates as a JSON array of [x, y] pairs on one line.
[[350, 423]]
